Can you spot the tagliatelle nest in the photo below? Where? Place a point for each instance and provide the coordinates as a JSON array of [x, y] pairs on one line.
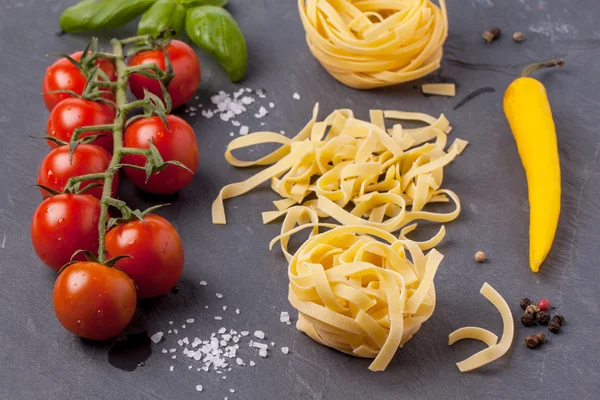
[[360, 295], [372, 43]]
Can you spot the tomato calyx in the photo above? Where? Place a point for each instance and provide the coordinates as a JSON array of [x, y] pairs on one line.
[[87, 62], [128, 215], [84, 140], [152, 105], [69, 189], [154, 161], [97, 88], [91, 257]]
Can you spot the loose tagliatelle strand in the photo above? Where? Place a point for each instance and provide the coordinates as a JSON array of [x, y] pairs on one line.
[[495, 349], [372, 43], [386, 176], [357, 288]]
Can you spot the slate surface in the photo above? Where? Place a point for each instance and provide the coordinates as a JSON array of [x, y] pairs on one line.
[[39, 360]]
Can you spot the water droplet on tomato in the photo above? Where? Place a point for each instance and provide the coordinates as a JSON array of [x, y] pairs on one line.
[[160, 134], [100, 313], [61, 221], [131, 242], [79, 323]]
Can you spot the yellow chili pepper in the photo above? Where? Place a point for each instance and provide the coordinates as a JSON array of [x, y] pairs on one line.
[[528, 112]]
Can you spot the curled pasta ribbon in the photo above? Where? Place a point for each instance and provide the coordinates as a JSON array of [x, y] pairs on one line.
[[356, 290], [357, 172], [495, 349], [373, 43]]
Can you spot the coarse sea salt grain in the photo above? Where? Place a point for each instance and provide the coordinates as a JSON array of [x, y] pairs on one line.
[[252, 363], [284, 317], [218, 317], [296, 96], [203, 283], [259, 334], [190, 320], [171, 368], [237, 310], [156, 337], [219, 295], [262, 353], [285, 350], [199, 388], [244, 131]]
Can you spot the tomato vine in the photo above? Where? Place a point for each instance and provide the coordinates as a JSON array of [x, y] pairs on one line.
[[151, 105]]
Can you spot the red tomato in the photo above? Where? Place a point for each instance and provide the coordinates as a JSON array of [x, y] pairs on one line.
[[93, 301], [62, 75], [56, 169], [179, 144], [157, 254], [185, 66], [73, 113], [63, 224]]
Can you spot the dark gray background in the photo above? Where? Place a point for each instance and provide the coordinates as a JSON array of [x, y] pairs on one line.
[[39, 360]]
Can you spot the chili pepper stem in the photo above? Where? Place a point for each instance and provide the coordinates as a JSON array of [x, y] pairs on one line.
[[528, 69]]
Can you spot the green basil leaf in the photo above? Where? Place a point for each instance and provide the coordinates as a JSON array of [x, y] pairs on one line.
[[163, 14], [196, 3], [215, 31], [101, 14]]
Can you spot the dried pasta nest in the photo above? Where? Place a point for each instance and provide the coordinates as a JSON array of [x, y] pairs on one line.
[[372, 43], [356, 290]]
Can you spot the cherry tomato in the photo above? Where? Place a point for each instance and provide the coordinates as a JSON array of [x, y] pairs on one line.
[[185, 66], [73, 113], [56, 169], [63, 224], [157, 254], [62, 75], [93, 301], [179, 143]]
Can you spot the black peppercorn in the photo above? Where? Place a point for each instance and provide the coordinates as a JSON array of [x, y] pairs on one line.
[[554, 326], [527, 319], [525, 302], [532, 341], [559, 318], [543, 317], [541, 337], [496, 32]]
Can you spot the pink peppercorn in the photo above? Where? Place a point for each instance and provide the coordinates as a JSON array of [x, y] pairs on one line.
[[544, 304]]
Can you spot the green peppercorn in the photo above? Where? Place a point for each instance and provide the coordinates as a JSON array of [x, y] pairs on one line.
[[532, 309]]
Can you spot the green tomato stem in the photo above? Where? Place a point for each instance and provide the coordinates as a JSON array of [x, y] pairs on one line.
[[82, 178], [134, 151], [117, 132]]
